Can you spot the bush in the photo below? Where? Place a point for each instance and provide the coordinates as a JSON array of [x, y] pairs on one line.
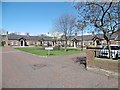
[[36, 45], [91, 47], [43, 48], [56, 47], [3, 43]]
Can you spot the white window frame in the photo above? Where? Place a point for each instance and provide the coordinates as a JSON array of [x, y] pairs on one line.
[[12, 42]]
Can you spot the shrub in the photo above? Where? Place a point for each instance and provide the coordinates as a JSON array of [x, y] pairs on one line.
[[91, 47], [3, 43], [56, 47]]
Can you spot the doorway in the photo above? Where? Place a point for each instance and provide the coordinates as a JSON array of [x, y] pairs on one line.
[[22, 43]]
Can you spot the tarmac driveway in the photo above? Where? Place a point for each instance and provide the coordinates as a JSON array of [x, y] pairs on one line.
[[23, 70]]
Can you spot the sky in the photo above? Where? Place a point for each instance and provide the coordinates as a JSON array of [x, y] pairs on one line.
[[33, 17], [0, 14]]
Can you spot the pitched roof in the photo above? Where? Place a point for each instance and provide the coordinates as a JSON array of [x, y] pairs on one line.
[[85, 37], [17, 37], [90, 37], [28, 37], [46, 38]]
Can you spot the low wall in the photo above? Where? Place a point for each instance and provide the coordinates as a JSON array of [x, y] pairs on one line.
[[90, 57], [101, 63]]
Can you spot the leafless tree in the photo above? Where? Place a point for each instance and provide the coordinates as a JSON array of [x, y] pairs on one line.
[[66, 25], [3, 32], [102, 15], [81, 24]]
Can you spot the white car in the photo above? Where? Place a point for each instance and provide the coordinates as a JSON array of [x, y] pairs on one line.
[[115, 51]]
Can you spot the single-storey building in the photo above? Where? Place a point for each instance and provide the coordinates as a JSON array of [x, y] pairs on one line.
[[27, 40], [88, 40], [73, 41]]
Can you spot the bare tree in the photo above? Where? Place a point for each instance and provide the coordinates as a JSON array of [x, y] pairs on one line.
[[81, 26], [102, 15], [66, 25], [3, 31]]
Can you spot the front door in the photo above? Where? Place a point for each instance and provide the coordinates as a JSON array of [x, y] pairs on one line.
[[22, 43]]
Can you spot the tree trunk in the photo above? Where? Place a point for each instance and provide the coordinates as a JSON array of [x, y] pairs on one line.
[[82, 41], [109, 49], [65, 43]]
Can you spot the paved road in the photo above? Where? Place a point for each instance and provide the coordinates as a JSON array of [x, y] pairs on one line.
[[0, 68], [23, 70]]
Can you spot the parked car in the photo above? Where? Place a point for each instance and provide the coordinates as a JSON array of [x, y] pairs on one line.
[[115, 51]]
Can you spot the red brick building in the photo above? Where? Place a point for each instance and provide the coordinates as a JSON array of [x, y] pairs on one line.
[[73, 41]]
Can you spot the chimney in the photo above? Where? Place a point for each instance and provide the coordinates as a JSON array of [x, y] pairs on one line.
[[93, 34], [75, 34], [7, 32], [27, 34]]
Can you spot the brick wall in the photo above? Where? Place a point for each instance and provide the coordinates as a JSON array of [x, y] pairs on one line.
[[90, 57], [100, 63]]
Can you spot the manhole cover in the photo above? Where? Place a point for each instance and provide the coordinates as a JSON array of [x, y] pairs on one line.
[[38, 66]]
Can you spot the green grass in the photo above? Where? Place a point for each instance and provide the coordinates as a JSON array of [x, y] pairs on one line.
[[40, 52], [1, 45]]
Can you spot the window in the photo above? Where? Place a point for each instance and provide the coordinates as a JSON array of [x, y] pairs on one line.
[[27, 43], [12, 42], [33, 43], [84, 44], [90, 43], [115, 47], [16, 43]]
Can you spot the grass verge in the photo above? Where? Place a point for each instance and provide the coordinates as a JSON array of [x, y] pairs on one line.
[[40, 52]]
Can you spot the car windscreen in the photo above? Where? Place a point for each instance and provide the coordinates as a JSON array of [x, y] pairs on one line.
[[115, 47]]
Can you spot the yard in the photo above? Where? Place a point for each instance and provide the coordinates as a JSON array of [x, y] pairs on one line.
[[39, 51], [30, 71]]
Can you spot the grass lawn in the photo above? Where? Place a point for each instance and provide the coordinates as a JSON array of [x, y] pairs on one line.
[[1, 45], [40, 52]]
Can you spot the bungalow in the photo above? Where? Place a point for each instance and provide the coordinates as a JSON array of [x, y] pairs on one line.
[[88, 40], [73, 41], [27, 40]]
